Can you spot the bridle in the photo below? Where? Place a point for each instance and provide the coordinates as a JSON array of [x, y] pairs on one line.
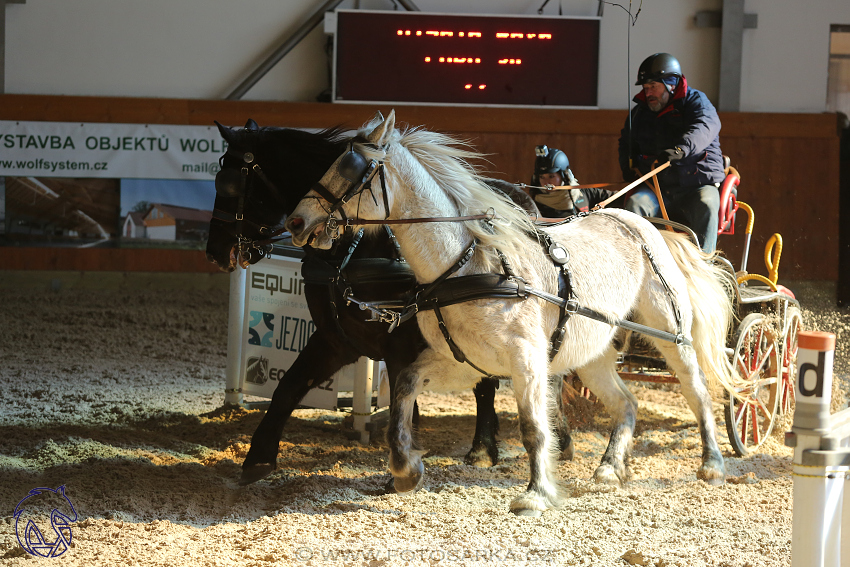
[[235, 183], [359, 171]]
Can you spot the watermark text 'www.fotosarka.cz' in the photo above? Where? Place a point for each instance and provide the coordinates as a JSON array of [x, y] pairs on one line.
[[435, 555]]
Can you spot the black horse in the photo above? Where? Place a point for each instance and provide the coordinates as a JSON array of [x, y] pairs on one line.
[[264, 173]]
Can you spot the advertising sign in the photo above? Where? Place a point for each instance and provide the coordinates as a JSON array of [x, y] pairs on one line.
[[276, 328], [107, 150]]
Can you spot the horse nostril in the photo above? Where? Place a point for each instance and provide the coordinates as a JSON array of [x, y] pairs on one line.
[[294, 223]]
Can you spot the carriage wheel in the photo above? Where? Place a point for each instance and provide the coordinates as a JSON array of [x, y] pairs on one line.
[[789, 360], [750, 417]]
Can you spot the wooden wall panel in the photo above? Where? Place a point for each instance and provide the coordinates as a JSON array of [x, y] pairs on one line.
[[104, 259], [788, 163]]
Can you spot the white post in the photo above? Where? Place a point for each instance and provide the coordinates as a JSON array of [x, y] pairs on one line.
[[235, 323], [816, 528], [361, 402], [845, 523]]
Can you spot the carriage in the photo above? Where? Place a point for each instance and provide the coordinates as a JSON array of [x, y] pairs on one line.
[[763, 346]]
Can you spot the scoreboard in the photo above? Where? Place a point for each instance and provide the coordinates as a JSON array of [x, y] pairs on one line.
[[416, 57]]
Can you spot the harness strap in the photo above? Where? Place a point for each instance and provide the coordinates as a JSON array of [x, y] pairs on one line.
[[351, 248], [395, 243], [469, 288], [413, 308], [483, 286], [386, 199], [458, 354], [325, 194], [572, 306], [559, 256], [646, 250], [264, 178]]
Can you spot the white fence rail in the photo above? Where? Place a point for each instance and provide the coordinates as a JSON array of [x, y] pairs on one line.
[[821, 517]]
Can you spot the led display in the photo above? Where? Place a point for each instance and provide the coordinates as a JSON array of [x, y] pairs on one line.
[[465, 59]]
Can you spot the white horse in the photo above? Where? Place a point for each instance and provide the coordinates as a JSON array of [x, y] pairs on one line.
[[610, 256]]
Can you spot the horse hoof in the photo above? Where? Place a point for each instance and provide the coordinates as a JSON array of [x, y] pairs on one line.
[[481, 457], [712, 477], [407, 484], [529, 504], [607, 475], [568, 452], [253, 473], [528, 513]]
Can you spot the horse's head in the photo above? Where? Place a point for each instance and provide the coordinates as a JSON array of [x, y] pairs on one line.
[[340, 192], [264, 172]]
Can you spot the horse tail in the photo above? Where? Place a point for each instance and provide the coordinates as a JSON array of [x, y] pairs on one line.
[[711, 291]]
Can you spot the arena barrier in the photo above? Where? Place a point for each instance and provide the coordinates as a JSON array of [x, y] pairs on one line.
[[269, 323], [821, 445]]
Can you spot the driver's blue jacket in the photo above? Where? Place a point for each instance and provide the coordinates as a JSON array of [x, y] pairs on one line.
[[690, 122]]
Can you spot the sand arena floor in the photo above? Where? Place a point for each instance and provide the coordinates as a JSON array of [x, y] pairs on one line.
[[117, 396]]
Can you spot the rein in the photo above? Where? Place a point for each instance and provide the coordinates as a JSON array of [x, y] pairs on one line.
[[488, 216], [612, 198]]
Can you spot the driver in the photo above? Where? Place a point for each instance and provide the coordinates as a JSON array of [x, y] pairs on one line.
[[552, 167], [673, 122]]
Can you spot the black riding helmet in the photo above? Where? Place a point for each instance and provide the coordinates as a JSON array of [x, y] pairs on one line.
[[550, 161], [657, 67], [555, 161]]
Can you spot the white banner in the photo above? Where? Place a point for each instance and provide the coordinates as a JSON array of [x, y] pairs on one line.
[[115, 151]]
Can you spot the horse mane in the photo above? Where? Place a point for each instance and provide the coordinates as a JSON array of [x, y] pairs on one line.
[[323, 142], [447, 160], [297, 158]]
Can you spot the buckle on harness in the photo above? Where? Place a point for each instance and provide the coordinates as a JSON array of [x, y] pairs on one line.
[[399, 318], [571, 306]]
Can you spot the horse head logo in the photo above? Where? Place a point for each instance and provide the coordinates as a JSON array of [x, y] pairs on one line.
[[42, 529]]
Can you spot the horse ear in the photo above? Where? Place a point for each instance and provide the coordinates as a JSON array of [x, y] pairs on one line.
[[380, 135], [251, 125], [226, 133]]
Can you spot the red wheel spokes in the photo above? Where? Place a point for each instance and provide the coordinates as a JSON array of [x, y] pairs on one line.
[[751, 364]]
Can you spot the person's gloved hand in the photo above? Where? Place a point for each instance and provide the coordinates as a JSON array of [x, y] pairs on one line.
[[673, 154]]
